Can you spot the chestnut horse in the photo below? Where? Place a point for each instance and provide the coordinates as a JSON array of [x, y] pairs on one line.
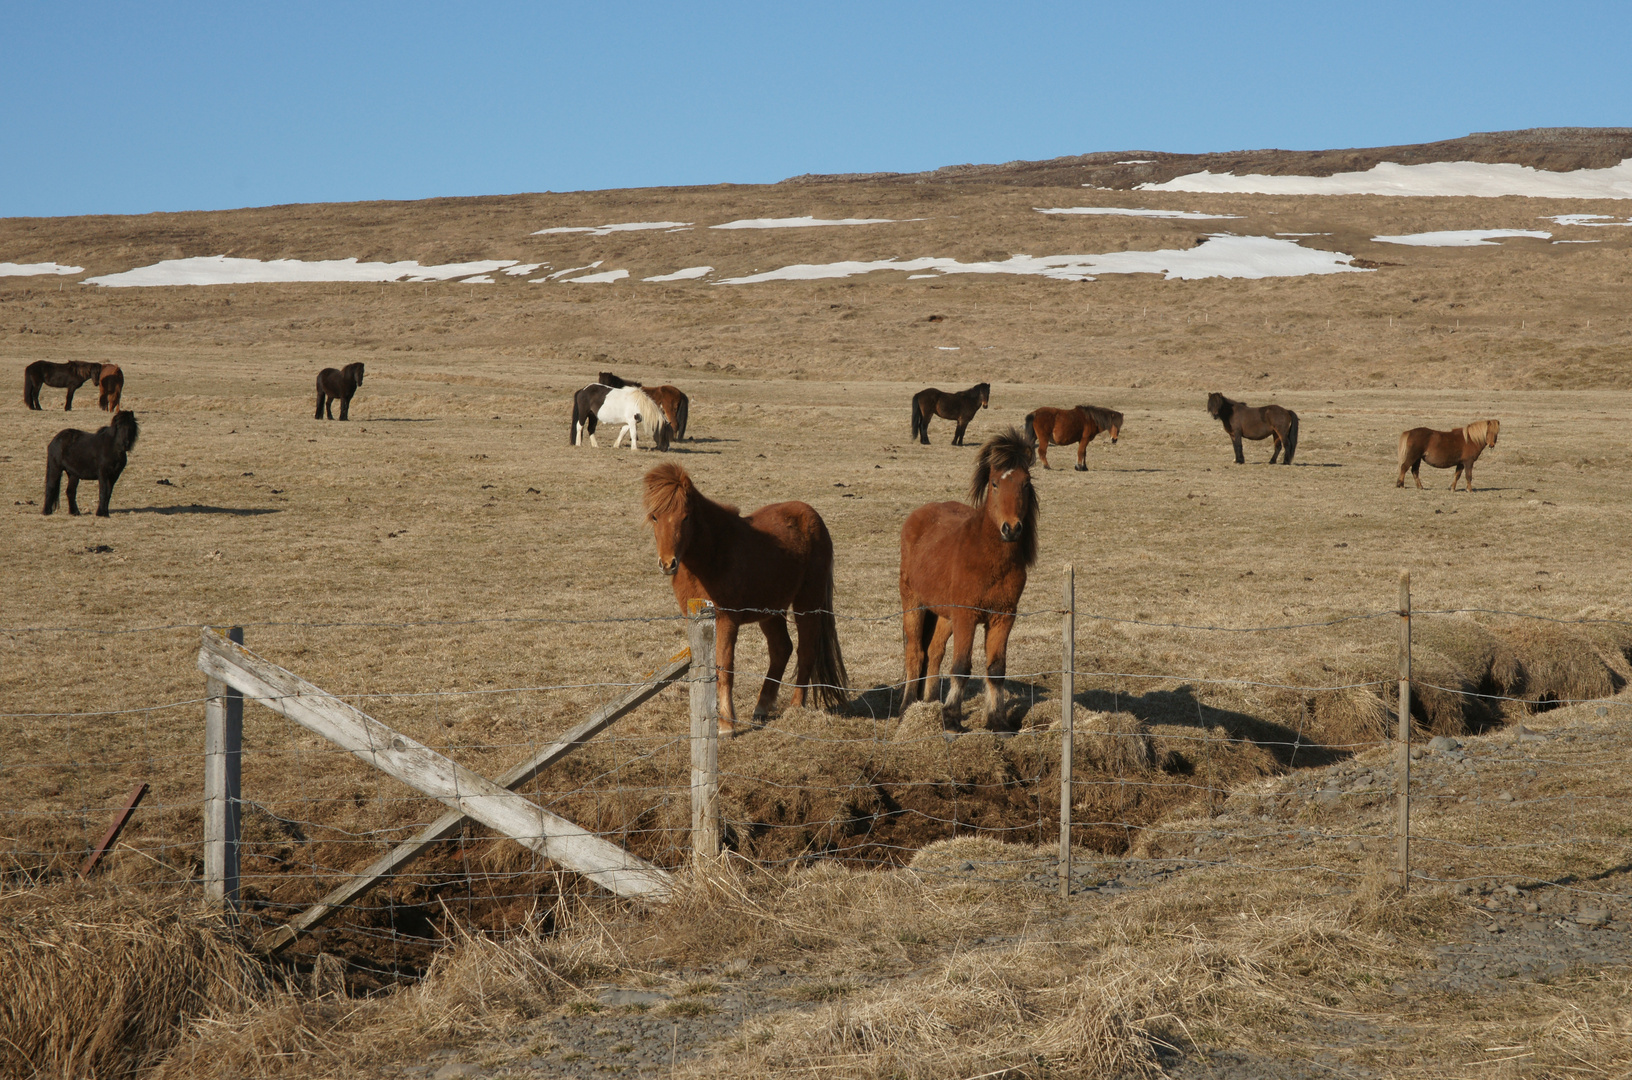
[[111, 383], [1442, 449], [70, 376], [753, 569], [675, 405], [1256, 422], [337, 384], [86, 456], [928, 404], [1065, 426], [964, 566]]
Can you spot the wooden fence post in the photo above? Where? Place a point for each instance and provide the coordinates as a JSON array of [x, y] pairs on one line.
[[223, 775], [1402, 827], [1068, 691], [705, 734]]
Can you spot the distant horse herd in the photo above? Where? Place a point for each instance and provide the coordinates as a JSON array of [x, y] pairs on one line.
[[963, 564]]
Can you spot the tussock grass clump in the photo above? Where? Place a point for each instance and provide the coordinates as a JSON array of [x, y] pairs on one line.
[[1560, 663], [104, 987]]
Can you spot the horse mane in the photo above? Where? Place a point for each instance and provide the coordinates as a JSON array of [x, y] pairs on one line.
[[124, 429], [1104, 419], [1478, 432], [1226, 407], [652, 417], [668, 485], [1004, 452]]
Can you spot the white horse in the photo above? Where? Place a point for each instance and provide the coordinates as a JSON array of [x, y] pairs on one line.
[[633, 408]]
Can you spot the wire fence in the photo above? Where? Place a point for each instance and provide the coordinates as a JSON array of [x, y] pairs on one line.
[[1165, 775]]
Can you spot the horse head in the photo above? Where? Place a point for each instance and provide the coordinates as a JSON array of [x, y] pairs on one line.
[[1216, 404], [1002, 484], [985, 394], [125, 429], [668, 504]]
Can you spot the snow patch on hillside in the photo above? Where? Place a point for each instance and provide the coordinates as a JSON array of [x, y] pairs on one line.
[[8, 269], [798, 222], [222, 270], [608, 230], [1460, 237], [1434, 178], [1125, 211], [690, 273]]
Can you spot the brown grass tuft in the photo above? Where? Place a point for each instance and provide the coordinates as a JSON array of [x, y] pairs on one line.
[[1560, 663]]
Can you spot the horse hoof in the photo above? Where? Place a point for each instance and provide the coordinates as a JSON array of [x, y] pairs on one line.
[[727, 729], [1082, 468]]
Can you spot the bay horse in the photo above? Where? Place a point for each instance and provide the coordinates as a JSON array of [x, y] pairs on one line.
[[84, 456], [1066, 426], [69, 376], [675, 406], [963, 566], [337, 384], [753, 569], [628, 405], [1442, 449], [930, 403], [111, 382], [1256, 422]]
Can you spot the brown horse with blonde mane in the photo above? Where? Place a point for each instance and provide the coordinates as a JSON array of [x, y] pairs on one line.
[[963, 566], [1255, 422], [753, 569], [1066, 426], [111, 384], [1442, 449]]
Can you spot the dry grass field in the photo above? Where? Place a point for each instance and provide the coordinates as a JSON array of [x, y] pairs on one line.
[[450, 564]]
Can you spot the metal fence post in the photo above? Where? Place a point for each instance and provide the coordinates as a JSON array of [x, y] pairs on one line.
[[1068, 692], [1402, 827], [705, 733], [223, 776]]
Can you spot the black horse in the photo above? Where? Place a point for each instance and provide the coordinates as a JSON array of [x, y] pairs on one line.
[[606, 378], [1256, 422], [71, 375], [337, 385], [84, 456], [928, 404]]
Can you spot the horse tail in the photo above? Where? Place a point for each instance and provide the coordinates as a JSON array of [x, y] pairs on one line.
[[1031, 430], [680, 414], [917, 418], [53, 479], [828, 677], [1291, 436], [572, 432]]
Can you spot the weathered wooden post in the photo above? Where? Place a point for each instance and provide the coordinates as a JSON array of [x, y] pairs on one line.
[[1402, 827], [705, 734], [1068, 691], [223, 775]]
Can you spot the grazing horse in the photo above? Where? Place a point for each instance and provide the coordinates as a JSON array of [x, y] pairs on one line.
[[753, 569], [70, 376], [606, 378], [111, 383], [1442, 449], [928, 404], [337, 385], [1065, 426], [84, 456], [675, 406], [628, 405], [1256, 422], [964, 566]]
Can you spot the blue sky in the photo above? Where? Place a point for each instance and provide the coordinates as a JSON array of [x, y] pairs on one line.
[[128, 108]]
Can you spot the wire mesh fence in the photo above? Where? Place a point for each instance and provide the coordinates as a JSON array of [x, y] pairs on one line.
[[1167, 768]]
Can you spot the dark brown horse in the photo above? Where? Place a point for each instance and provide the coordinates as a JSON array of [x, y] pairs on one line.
[[337, 384], [964, 566], [86, 456], [69, 376], [928, 404], [753, 569], [1256, 422], [675, 405], [1442, 449], [1066, 426], [111, 382]]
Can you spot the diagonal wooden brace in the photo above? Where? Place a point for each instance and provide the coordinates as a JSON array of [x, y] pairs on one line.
[[425, 770]]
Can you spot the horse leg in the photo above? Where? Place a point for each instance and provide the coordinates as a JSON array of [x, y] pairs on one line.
[[1275, 453], [780, 647], [963, 650], [1456, 476], [345, 407], [1240, 458], [1416, 472], [957, 436], [68, 405], [997, 665], [1082, 458], [937, 651], [104, 490], [725, 655], [1467, 477], [1042, 452], [73, 493]]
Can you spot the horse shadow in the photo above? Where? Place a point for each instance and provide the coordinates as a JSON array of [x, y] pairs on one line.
[[1181, 707], [200, 508], [399, 420]]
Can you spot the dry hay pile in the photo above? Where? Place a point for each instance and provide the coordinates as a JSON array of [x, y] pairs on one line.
[[93, 986]]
